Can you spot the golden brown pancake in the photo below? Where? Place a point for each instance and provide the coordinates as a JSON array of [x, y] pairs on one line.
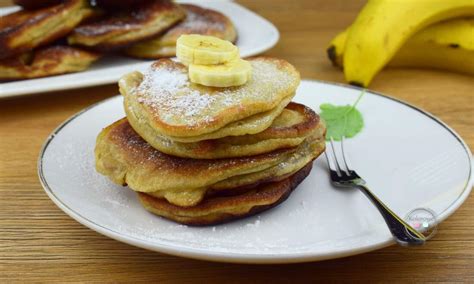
[[127, 159], [215, 210], [26, 29], [249, 125], [289, 129], [123, 28], [307, 151], [46, 61], [198, 21], [123, 156], [169, 103]]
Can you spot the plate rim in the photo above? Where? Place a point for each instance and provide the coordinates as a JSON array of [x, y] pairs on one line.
[[168, 247], [84, 84]]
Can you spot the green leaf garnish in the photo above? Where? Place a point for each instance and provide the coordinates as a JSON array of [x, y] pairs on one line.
[[342, 121]]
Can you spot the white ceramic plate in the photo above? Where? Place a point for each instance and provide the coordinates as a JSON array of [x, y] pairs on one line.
[[409, 158], [255, 35]]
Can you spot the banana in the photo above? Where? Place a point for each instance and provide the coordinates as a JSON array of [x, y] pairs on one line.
[[336, 47], [205, 50], [457, 32], [429, 55], [212, 61], [447, 45], [383, 26], [234, 73]]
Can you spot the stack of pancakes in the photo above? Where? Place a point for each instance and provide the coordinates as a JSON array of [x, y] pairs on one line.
[[63, 36], [198, 21], [28, 41], [203, 155]]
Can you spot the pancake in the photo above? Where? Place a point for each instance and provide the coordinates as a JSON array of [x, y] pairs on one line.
[[123, 156], [309, 150], [198, 21], [125, 27], [306, 152], [46, 61], [289, 129], [168, 102], [217, 210], [250, 125], [27, 29], [127, 159]]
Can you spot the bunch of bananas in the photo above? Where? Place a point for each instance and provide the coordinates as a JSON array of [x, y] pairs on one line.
[[212, 61], [411, 33]]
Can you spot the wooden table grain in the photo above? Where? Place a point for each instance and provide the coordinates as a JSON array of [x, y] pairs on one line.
[[38, 242]]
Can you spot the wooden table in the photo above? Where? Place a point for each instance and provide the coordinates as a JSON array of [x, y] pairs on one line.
[[39, 242]]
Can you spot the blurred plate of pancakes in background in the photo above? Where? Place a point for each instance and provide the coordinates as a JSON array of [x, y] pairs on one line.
[[315, 222], [98, 44]]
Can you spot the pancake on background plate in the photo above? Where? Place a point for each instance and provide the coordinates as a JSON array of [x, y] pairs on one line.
[[122, 28], [46, 61], [198, 21], [26, 29]]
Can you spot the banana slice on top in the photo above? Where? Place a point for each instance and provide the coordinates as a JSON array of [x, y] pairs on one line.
[[205, 50], [234, 73]]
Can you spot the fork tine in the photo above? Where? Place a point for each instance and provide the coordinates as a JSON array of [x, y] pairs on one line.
[[330, 160], [338, 168], [347, 169]]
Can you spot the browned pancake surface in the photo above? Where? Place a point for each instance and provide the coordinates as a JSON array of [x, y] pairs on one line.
[[126, 158], [46, 61], [202, 21], [289, 129], [26, 29], [215, 210], [198, 21], [122, 28], [308, 123]]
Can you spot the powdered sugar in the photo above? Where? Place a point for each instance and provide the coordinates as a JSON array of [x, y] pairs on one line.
[[163, 80], [166, 89]]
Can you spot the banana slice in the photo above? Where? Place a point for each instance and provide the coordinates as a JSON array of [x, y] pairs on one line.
[[205, 50], [234, 73]]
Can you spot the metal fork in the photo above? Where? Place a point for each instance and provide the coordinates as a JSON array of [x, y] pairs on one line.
[[343, 176]]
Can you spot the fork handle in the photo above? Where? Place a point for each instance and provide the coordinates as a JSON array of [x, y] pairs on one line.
[[399, 228]]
